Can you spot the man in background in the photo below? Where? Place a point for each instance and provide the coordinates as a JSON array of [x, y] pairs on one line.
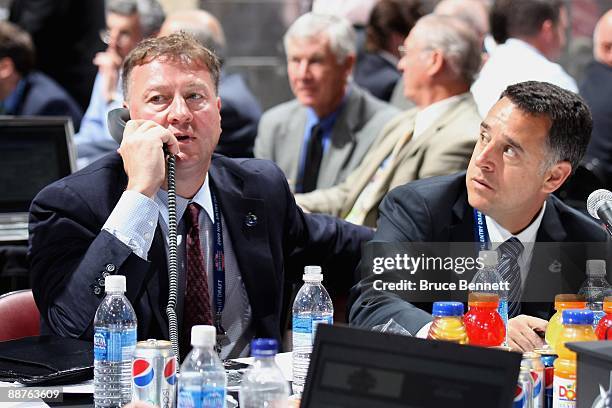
[[535, 32], [597, 91], [318, 138], [127, 23], [24, 91], [441, 57], [240, 110]]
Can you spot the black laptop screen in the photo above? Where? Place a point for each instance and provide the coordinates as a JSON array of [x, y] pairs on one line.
[[34, 154]]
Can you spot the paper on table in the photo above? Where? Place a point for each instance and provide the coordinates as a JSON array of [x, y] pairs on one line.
[[283, 360]]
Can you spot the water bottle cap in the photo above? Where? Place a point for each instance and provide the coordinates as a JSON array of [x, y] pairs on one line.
[[264, 347], [578, 316], [114, 283], [489, 258], [447, 309], [596, 268], [203, 335], [312, 273]]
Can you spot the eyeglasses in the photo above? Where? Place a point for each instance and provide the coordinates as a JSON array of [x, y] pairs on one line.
[[105, 36], [402, 51]]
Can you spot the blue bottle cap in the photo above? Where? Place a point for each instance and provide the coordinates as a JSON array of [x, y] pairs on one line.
[[577, 316], [264, 347], [447, 309]]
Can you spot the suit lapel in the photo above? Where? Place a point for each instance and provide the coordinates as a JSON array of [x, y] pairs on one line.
[[294, 141], [246, 220], [342, 139]]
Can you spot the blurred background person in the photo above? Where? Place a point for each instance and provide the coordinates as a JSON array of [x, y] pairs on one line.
[[24, 91], [597, 91], [318, 138], [240, 110], [66, 36], [535, 32], [127, 23], [389, 24], [441, 57]]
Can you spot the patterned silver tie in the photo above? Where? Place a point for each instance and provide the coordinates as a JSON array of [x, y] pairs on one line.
[[508, 267]]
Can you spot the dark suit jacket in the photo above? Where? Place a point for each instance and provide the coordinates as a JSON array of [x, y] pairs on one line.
[[596, 90], [69, 251], [437, 210], [376, 74], [43, 96], [240, 113]]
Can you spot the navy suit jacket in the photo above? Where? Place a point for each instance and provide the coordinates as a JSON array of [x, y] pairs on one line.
[[437, 210], [376, 74], [69, 252], [240, 113], [43, 96]]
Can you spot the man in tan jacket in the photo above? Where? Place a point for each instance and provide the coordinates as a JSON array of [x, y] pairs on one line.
[[440, 58]]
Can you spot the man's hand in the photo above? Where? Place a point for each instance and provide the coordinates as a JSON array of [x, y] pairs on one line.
[[143, 157], [108, 63], [523, 333]]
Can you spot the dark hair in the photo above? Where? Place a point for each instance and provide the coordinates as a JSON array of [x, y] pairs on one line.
[[16, 44], [570, 117], [179, 47], [390, 16], [521, 18]]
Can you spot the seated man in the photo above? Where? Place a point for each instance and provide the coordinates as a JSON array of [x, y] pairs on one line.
[[24, 91], [321, 136], [529, 143], [240, 111], [112, 218], [435, 138]]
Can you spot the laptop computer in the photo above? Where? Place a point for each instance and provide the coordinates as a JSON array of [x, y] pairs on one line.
[[356, 368], [35, 152]]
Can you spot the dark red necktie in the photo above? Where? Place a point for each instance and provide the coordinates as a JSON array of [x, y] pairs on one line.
[[197, 308]]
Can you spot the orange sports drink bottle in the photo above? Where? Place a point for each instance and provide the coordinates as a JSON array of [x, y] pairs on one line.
[[448, 323], [577, 326], [562, 302], [604, 328], [484, 325]]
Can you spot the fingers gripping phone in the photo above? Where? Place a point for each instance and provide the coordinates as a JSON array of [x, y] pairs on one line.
[[117, 119]]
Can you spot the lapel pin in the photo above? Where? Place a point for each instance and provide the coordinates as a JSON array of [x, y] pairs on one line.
[[555, 266], [250, 220]]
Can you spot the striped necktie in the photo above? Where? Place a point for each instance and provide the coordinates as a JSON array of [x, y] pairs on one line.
[[510, 272]]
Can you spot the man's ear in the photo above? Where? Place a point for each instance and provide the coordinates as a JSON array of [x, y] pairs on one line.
[[556, 176], [7, 67], [547, 30], [436, 63], [349, 62]]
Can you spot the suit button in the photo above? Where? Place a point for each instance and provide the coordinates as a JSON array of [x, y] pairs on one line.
[[97, 290], [101, 282], [250, 220], [110, 267]]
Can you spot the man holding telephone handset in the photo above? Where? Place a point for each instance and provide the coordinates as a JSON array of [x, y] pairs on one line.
[[112, 217]]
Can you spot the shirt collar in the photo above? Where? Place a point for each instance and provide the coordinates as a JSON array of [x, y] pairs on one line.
[[498, 234], [203, 198], [12, 101], [425, 118], [328, 121]]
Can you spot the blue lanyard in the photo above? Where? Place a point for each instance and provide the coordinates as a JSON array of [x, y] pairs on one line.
[[219, 266], [481, 234]]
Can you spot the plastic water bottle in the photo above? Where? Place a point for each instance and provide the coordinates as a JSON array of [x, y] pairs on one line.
[[114, 343], [264, 385], [312, 306], [595, 288], [488, 280], [202, 381]]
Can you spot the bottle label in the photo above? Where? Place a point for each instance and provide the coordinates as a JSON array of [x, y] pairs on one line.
[[597, 315], [114, 346], [189, 397], [305, 329], [564, 392], [213, 397]]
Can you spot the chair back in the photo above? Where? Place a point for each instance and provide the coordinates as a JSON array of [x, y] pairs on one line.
[[19, 316]]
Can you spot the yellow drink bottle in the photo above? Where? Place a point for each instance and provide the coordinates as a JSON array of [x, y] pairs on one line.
[[562, 302], [448, 322]]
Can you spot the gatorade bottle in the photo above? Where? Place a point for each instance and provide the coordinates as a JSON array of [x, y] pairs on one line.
[[577, 326], [604, 328], [448, 322], [483, 323], [562, 302]]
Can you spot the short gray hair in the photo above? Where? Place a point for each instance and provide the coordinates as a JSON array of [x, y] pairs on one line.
[[341, 35], [457, 41], [150, 13]]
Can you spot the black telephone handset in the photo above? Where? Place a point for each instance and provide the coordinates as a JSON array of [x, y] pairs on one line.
[[117, 119]]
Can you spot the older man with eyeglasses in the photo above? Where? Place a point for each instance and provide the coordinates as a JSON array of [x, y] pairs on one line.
[[127, 23]]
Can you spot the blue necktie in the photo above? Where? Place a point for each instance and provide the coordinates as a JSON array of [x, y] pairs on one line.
[[508, 267]]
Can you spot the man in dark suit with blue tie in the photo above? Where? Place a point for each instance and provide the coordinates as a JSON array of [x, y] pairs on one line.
[[529, 143], [112, 217], [24, 91]]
